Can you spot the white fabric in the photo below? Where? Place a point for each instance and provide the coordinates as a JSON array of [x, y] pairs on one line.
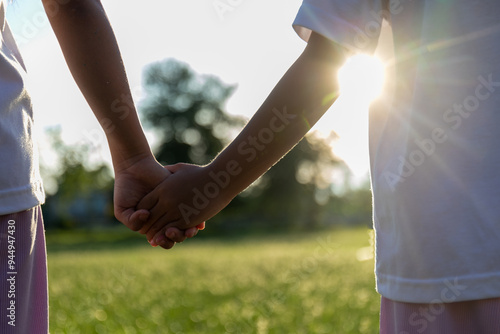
[[20, 182], [435, 156]]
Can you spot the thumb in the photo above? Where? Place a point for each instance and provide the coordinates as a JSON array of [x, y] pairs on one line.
[[133, 219], [174, 168]]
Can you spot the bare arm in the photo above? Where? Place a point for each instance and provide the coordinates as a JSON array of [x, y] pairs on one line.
[[298, 101], [194, 194], [91, 52], [93, 57]]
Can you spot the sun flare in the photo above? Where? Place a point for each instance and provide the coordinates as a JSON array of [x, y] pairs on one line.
[[361, 78]]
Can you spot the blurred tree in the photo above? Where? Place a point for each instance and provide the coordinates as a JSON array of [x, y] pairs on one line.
[[186, 111], [295, 191], [82, 195], [354, 207]]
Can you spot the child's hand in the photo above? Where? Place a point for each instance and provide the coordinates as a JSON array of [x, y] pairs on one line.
[[184, 200], [132, 183], [167, 239], [168, 236]]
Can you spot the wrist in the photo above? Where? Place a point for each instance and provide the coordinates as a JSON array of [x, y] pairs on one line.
[[128, 144], [124, 160], [226, 177]]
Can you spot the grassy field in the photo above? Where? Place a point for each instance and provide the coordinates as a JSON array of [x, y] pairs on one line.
[[294, 283]]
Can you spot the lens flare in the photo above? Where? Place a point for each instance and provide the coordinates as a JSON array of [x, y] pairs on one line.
[[362, 78]]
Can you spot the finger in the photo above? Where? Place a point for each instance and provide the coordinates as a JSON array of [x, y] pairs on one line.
[[201, 226], [162, 237], [133, 219], [162, 241], [173, 233], [169, 244], [139, 218], [149, 201], [191, 232], [174, 168], [158, 218], [154, 228]]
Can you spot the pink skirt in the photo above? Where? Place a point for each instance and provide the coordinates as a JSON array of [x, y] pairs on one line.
[[23, 274], [469, 317]]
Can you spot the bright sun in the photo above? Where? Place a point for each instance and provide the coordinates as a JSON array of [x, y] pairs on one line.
[[361, 80]]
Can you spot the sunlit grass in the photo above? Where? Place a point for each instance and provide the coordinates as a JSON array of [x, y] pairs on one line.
[[288, 284]]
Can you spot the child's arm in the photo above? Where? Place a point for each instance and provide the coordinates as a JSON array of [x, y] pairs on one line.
[[91, 52], [194, 194]]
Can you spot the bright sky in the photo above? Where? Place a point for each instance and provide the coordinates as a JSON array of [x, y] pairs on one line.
[[251, 44]]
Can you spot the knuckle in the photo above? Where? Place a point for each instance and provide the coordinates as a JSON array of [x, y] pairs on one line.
[[134, 226], [168, 246], [142, 229]]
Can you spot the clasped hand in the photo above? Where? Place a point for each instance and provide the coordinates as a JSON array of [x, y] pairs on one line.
[[161, 202]]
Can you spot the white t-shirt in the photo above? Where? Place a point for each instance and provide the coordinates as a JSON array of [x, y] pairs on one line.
[[435, 155], [20, 182]]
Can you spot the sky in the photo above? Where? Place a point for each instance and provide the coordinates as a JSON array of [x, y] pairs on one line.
[[247, 43]]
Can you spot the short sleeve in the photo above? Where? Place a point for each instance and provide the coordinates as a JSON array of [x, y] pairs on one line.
[[354, 24]]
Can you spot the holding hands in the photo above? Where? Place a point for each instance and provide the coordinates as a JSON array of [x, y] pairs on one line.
[[173, 202], [170, 204], [138, 206], [93, 57], [177, 204]]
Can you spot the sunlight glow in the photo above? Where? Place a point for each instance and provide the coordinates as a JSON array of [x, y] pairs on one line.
[[361, 78]]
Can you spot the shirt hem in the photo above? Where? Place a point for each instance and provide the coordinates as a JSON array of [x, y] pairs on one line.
[[311, 18], [21, 199], [444, 290]]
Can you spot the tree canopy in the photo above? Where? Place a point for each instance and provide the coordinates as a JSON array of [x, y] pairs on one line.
[[187, 112]]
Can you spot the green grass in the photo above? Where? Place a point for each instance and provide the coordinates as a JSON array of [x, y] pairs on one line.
[[115, 283]]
